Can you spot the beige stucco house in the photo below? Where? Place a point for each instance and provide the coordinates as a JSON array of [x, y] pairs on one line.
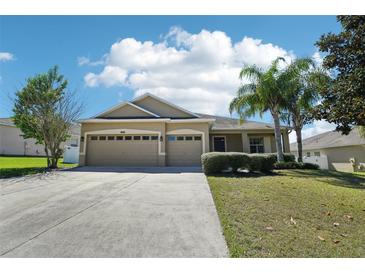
[[149, 131], [338, 149], [12, 142]]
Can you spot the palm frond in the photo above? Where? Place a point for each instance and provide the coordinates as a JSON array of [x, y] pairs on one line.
[[252, 73]]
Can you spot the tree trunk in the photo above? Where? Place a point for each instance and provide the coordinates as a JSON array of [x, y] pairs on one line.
[[54, 163], [279, 147], [298, 132], [47, 155], [54, 158]]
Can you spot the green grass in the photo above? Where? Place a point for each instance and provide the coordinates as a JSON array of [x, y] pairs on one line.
[[19, 166], [256, 212]]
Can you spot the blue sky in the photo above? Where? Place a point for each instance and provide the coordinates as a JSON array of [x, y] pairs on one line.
[[172, 66]]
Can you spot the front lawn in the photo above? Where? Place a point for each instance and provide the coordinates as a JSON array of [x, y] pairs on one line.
[[19, 166], [293, 213]]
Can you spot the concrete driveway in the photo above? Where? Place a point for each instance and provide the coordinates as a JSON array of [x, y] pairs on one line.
[[110, 212]]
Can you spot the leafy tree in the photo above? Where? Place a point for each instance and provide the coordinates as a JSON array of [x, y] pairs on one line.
[[304, 80], [46, 112], [263, 93], [343, 102]]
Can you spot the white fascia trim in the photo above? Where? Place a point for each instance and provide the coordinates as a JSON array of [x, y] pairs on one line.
[[189, 131], [122, 105], [165, 102], [142, 109], [172, 121], [123, 120], [4, 124], [125, 131]]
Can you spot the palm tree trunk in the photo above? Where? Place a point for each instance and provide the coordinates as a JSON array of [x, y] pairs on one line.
[[298, 132], [279, 147]]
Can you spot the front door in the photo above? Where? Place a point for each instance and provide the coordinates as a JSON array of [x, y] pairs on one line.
[[219, 143]]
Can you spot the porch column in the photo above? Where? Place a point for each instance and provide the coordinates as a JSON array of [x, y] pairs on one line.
[[245, 142], [267, 144]]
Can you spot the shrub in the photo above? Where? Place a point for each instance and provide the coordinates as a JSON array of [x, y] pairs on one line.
[[295, 165], [256, 162], [310, 166], [287, 157], [216, 162], [287, 165], [268, 163], [238, 160]]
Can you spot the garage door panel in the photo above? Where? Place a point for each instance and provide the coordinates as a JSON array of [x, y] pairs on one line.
[[122, 153], [184, 152]]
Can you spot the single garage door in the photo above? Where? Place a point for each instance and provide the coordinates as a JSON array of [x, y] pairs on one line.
[[184, 150], [122, 150]]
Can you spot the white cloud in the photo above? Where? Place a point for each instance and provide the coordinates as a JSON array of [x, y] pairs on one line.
[[317, 58], [197, 71], [6, 56], [82, 61], [317, 127], [110, 76]]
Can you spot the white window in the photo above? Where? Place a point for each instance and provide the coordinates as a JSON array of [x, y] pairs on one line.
[[308, 154], [317, 153], [257, 145]]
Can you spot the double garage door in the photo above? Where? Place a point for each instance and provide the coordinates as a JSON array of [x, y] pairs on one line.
[[142, 150], [122, 150]]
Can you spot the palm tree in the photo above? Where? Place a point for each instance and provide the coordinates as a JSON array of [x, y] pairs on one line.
[[263, 93], [303, 80]]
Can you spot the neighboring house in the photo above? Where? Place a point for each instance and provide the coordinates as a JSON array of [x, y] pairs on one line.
[[337, 148], [149, 131], [12, 143]]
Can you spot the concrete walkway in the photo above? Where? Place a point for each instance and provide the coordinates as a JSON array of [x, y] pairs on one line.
[[110, 212]]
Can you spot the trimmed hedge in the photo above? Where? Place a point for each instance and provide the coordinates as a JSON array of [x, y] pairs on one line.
[[287, 157], [295, 165], [216, 162]]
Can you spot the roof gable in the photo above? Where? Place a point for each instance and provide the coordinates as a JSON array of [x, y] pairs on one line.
[[162, 107], [331, 139], [126, 110]]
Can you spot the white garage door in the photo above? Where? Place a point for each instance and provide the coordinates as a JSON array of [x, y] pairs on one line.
[[184, 150], [122, 150]]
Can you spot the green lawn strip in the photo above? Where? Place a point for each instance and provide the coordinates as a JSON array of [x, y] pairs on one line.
[[284, 215], [19, 166]]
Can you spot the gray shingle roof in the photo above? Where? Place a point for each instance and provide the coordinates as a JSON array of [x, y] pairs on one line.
[[226, 123], [331, 139], [6, 122], [75, 129]]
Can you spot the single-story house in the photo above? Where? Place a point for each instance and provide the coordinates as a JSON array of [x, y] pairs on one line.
[[12, 142], [149, 131], [337, 148]]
